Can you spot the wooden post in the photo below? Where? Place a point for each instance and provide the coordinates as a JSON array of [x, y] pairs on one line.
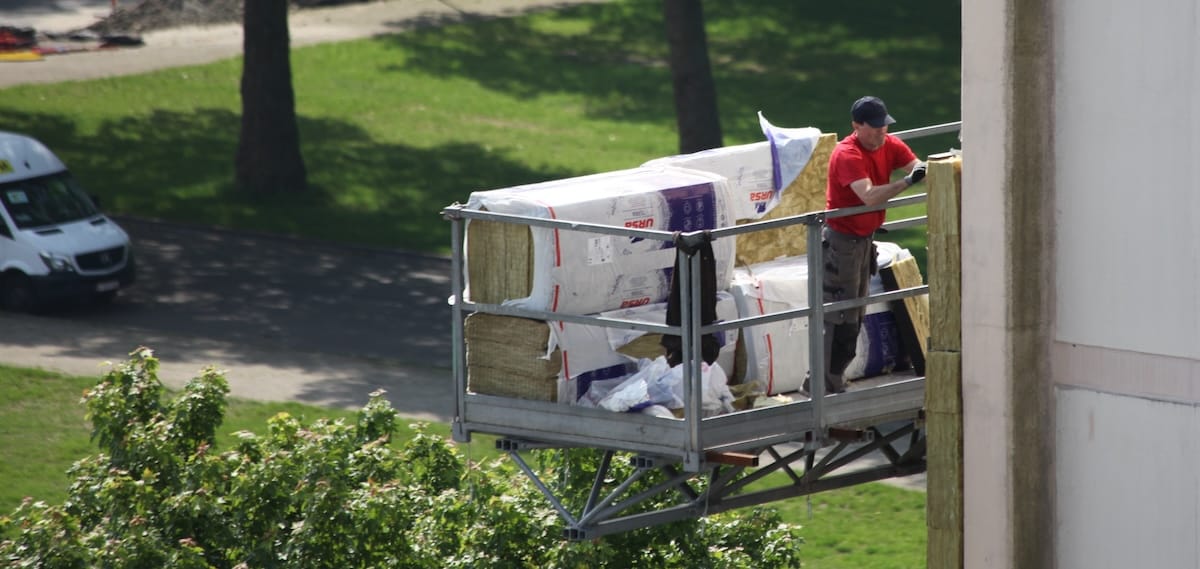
[[943, 381]]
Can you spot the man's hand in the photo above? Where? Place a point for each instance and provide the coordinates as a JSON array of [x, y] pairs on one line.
[[917, 174]]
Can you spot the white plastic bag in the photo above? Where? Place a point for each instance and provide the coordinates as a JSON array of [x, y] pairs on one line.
[[644, 388], [656, 383]]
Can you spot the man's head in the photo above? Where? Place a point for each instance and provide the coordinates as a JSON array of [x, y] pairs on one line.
[[871, 111], [870, 119]]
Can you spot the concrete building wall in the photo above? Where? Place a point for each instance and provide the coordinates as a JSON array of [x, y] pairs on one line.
[[1127, 283], [986, 415], [1129, 481], [1117, 446], [1127, 92]]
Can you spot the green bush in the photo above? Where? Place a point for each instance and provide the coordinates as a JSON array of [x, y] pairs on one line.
[[328, 494]]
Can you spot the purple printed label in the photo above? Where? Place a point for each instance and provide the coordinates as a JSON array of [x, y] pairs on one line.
[[883, 345], [776, 175], [691, 208]]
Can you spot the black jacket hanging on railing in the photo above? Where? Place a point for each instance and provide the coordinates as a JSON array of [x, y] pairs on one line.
[[709, 346]]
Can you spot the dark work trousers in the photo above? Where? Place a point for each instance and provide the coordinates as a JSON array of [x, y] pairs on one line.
[[849, 261]]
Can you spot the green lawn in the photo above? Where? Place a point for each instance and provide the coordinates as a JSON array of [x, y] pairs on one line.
[[397, 127], [869, 526]]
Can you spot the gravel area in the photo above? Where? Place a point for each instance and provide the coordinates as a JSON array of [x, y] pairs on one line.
[[185, 41], [148, 15]]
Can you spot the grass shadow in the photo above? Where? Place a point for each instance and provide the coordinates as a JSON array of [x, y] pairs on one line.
[[802, 64], [178, 166]]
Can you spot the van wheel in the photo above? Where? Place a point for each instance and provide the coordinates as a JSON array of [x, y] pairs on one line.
[[16, 294]]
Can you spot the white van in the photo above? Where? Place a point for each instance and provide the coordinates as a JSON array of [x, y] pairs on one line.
[[55, 244]]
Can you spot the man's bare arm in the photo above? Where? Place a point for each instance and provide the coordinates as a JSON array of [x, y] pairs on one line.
[[874, 195]]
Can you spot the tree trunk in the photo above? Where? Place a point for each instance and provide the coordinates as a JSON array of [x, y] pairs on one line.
[[268, 156], [695, 92]]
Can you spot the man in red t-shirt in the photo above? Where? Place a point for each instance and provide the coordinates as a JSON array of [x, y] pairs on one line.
[[860, 172]]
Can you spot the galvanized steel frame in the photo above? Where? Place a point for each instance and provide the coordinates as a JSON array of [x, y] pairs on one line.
[[612, 507]]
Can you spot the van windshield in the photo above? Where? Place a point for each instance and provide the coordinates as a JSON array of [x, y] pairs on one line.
[[48, 200]]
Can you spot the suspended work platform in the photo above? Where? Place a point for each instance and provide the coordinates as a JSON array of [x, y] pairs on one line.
[[689, 467]]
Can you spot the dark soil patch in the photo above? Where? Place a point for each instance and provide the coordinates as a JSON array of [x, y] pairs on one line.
[[149, 15]]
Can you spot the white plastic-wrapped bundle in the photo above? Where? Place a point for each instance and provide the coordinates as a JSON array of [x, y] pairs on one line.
[[758, 173], [581, 272], [590, 353], [747, 168], [777, 353]]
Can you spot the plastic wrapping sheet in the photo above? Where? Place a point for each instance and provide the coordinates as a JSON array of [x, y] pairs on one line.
[[592, 353]]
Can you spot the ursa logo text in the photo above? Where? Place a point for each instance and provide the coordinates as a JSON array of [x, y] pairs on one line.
[[635, 302], [640, 223]]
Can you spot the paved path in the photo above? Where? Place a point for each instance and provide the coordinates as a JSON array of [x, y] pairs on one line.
[[288, 319], [196, 45]]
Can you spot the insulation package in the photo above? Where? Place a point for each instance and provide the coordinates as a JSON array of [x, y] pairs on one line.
[[758, 173], [580, 272], [777, 354]]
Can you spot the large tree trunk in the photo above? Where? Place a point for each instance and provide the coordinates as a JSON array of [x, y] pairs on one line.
[[691, 75], [268, 156]]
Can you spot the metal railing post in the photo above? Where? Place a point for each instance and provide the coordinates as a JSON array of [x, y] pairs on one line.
[[816, 324], [689, 310], [458, 362]]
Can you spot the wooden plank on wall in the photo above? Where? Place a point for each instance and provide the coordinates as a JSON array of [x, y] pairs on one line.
[[945, 244], [944, 549], [944, 476], [943, 382]]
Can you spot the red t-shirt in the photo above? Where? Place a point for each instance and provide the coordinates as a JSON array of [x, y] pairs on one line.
[[851, 162]]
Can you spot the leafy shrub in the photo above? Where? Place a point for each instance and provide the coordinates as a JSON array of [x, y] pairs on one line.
[[328, 494]]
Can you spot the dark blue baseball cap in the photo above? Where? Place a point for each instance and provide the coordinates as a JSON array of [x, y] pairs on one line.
[[872, 111]]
